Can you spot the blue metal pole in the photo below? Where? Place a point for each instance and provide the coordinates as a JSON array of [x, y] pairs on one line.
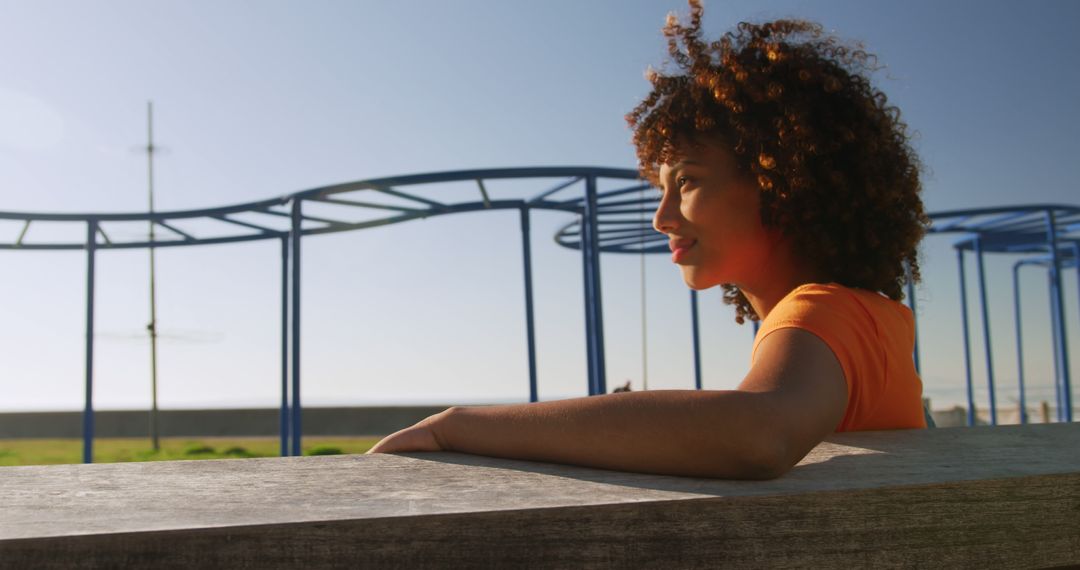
[[530, 328], [1019, 342], [88, 410], [697, 339], [914, 317], [1065, 411], [597, 305], [986, 330], [283, 418], [967, 341], [1076, 259], [586, 271], [1054, 343], [296, 409]]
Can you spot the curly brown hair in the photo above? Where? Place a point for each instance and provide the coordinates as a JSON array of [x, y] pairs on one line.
[[830, 156]]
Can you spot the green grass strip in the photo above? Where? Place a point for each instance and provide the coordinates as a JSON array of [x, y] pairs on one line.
[[115, 450]]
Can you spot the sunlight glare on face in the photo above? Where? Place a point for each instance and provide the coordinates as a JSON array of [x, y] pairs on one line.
[[710, 212]]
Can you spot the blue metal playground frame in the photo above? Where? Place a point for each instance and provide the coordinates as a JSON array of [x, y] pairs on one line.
[[611, 221], [1047, 236], [385, 203]]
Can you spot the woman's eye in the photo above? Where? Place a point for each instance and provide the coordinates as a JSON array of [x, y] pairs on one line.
[[681, 181]]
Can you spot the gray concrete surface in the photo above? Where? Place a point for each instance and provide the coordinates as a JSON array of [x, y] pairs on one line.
[[972, 498]]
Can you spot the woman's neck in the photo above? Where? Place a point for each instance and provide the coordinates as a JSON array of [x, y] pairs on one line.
[[780, 274]]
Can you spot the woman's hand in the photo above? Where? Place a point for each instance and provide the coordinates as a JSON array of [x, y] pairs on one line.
[[419, 437]]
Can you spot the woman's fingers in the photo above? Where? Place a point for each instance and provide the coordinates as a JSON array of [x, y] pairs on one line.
[[415, 438]]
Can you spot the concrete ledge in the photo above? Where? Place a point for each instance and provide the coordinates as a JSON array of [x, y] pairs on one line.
[[997, 497]]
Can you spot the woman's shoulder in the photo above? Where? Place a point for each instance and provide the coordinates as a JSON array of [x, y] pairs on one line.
[[831, 300], [838, 314]]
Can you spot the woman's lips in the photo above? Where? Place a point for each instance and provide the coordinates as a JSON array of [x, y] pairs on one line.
[[680, 248]]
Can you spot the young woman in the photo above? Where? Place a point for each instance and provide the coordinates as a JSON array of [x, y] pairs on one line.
[[788, 181]]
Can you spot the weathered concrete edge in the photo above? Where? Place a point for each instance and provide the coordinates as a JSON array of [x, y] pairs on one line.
[[44, 501], [1017, 522]]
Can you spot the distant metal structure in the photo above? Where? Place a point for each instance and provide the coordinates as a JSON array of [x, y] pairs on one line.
[[610, 221], [348, 207], [1048, 236], [1069, 258]]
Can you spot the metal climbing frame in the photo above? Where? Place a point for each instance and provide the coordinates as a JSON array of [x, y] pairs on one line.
[[1063, 389], [348, 207], [1044, 235]]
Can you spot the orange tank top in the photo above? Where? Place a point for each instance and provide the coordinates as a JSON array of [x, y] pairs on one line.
[[872, 336]]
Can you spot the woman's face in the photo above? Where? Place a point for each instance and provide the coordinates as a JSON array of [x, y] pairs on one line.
[[711, 215]]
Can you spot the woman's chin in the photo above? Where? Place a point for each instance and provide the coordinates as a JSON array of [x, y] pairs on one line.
[[695, 280]]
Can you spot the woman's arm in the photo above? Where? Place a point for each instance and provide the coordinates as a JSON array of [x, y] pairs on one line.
[[794, 396]]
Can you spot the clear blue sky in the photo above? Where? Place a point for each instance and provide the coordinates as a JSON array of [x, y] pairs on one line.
[[259, 99]]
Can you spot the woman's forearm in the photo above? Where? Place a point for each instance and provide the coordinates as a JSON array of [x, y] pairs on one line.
[[793, 397], [726, 434]]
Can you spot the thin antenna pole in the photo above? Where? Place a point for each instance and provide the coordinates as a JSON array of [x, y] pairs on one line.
[[644, 306], [152, 327]]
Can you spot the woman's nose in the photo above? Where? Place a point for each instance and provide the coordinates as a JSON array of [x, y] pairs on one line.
[[666, 218]]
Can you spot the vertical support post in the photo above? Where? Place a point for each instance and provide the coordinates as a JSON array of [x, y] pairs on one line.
[[88, 409], [600, 381], [1018, 314], [914, 316], [697, 339], [1058, 317], [586, 272], [986, 330], [283, 417], [150, 149], [295, 236], [644, 317], [967, 340], [530, 328], [1076, 260], [1054, 344]]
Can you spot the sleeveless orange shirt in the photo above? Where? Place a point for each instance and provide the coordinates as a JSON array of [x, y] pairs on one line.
[[872, 336]]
